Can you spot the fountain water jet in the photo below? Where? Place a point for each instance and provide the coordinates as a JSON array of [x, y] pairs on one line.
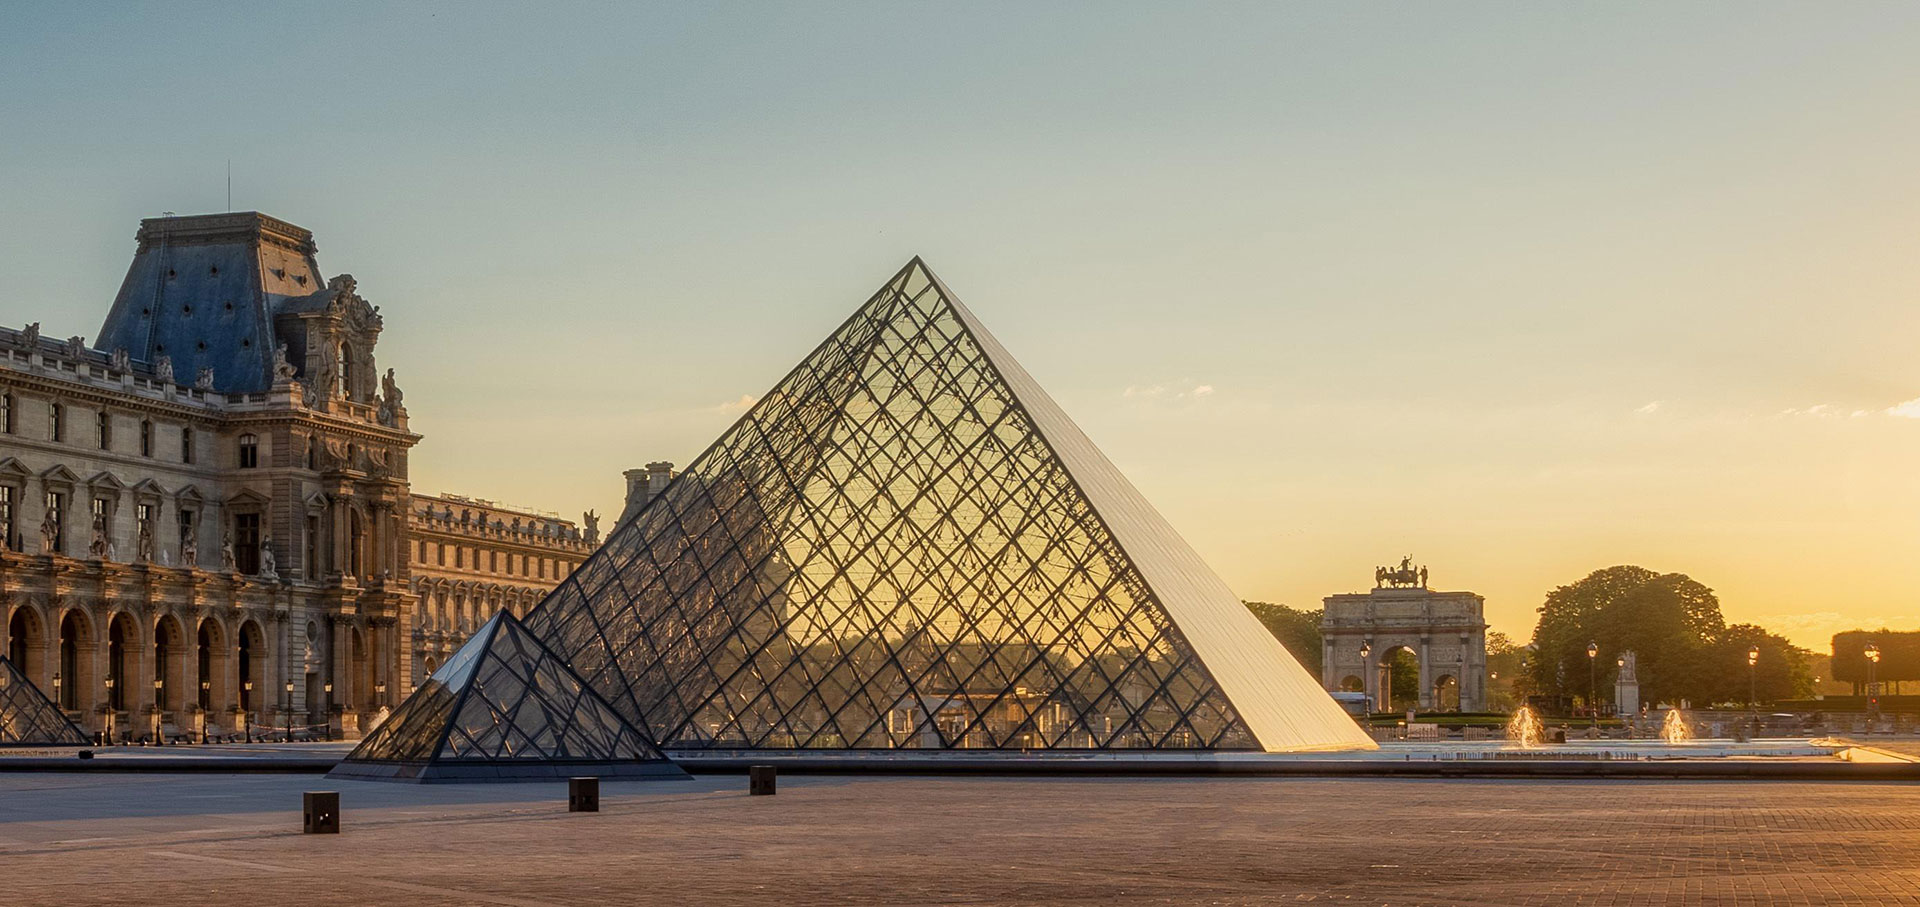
[[1674, 729], [1525, 728]]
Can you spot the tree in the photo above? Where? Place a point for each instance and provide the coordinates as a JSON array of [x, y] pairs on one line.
[[1781, 671], [1685, 649], [1503, 670], [1667, 619], [1899, 658], [1298, 630]]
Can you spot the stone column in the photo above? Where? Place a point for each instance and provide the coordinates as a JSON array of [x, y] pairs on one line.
[[1425, 699], [93, 690]]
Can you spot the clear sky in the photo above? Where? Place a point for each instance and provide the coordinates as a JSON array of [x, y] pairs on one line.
[[1522, 290]]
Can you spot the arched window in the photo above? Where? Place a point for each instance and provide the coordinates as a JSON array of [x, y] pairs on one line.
[[249, 451]]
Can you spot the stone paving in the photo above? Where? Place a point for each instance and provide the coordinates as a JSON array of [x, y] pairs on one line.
[[138, 839]]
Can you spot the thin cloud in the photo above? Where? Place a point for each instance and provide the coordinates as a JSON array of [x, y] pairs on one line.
[[1907, 410], [741, 405], [1184, 390], [1650, 408]]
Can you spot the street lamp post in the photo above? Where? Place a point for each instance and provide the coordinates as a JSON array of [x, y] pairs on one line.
[[206, 703], [1366, 651], [1873, 687], [110, 715], [246, 713], [57, 701], [289, 711], [1593, 686], [328, 717], [1753, 697]]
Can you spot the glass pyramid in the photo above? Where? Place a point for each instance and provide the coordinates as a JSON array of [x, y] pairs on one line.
[[504, 708], [907, 545], [28, 717]]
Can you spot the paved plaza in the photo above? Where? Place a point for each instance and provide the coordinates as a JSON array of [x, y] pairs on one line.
[[75, 839]]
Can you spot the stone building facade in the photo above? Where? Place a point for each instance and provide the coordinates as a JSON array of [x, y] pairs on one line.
[[207, 517], [473, 557], [1446, 632]]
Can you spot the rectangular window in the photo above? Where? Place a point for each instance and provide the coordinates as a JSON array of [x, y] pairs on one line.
[[56, 422], [422, 558], [440, 554], [143, 521], [57, 508], [146, 438], [186, 530], [6, 412], [6, 517], [186, 444], [460, 558], [313, 548], [106, 430], [249, 451], [246, 542], [493, 562], [543, 568], [525, 569]]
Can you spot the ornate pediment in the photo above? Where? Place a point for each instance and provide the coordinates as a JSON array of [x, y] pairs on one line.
[[11, 466], [105, 480], [352, 310], [247, 496]]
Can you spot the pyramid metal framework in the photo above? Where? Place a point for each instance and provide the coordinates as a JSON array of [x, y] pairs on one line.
[[28, 717], [504, 708], [906, 544]]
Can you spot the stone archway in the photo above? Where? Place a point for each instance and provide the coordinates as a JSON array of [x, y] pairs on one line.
[[1445, 694], [170, 655], [73, 680], [1444, 631], [27, 644]]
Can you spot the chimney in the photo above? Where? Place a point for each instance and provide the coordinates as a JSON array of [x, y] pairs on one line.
[[643, 484]]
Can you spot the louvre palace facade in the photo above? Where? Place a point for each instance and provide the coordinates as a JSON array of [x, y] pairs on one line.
[[206, 512]]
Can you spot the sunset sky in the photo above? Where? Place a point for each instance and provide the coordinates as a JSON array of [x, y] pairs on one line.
[[1523, 291]]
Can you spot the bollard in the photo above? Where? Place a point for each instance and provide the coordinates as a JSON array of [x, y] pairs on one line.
[[322, 813], [760, 780], [583, 795]]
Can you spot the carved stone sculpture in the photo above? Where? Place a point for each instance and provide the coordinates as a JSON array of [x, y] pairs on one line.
[[390, 390], [121, 361], [269, 568], [76, 346], [189, 550], [143, 544], [50, 532], [204, 380], [163, 369], [30, 338], [227, 561], [592, 520], [282, 369], [100, 548]]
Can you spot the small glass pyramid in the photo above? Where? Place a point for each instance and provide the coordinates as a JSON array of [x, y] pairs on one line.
[[28, 717], [504, 708]]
